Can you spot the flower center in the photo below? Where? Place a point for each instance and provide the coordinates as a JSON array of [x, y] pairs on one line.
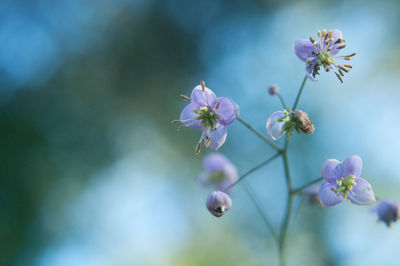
[[216, 177], [345, 185], [325, 59], [207, 117]]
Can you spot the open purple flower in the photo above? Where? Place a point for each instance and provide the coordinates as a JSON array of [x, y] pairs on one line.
[[323, 52], [218, 203], [218, 172], [387, 211], [209, 114], [343, 181]]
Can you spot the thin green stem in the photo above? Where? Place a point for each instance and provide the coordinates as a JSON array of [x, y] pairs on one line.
[[299, 94], [250, 192], [258, 133], [284, 230], [253, 169], [298, 190], [285, 223], [282, 101]]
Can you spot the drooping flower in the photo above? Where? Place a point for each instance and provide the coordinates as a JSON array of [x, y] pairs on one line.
[[281, 121], [209, 114], [387, 211], [218, 203], [275, 123], [323, 52], [343, 181], [218, 172]]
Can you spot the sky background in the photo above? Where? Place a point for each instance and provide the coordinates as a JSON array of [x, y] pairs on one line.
[[94, 173]]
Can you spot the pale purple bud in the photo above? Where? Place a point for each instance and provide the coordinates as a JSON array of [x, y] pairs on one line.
[[387, 211], [303, 123], [274, 125], [273, 89], [218, 172], [311, 195], [218, 203]]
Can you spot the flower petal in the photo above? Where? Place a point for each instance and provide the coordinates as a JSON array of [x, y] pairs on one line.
[[336, 34], [303, 49], [218, 136], [203, 99], [227, 110], [352, 166], [332, 171], [215, 161], [187, 116], [328, 197], [274, 128], [362, 193]]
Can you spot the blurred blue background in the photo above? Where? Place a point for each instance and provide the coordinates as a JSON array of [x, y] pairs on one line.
[[93, 172]]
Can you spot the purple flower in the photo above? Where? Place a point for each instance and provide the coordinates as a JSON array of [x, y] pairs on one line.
[[209, 114], [218, 172], [387, 211], [343, 181], [218, 203], [323, 52]]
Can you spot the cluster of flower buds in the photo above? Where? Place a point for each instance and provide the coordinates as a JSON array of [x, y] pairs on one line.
[[280, 122]]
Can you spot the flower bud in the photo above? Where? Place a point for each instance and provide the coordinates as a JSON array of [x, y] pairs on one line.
[[273, 89], [218, 203], [387, 211], [303, 123], [311, 195]]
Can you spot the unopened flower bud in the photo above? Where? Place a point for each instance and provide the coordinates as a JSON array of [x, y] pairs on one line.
[[273, 89], [311, 195], [387, 211], [303, 123], [218, 203]]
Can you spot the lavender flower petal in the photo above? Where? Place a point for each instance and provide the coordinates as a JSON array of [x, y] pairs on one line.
[[336, 34], [215, 161], [304, 49], [327, 196], [227, 110], [203, 99], [361, 193], [187, 116], [218, 136], [274, 128], [332, 171], [352, 166]]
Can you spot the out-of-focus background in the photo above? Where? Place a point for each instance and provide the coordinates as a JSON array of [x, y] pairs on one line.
[[93, 172]]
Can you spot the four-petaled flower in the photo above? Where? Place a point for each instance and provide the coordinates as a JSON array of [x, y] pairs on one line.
[[218, 172], [387, 211], [321, 53], [343, 181], [209, 114], [218, 203]]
